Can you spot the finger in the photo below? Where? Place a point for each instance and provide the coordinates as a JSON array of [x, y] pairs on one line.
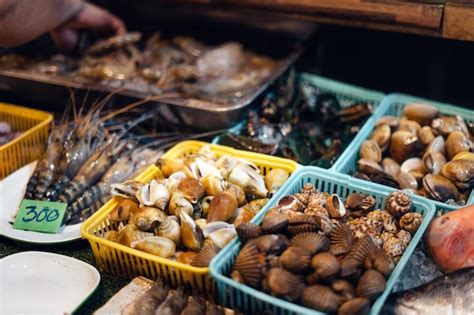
[[65, 39]]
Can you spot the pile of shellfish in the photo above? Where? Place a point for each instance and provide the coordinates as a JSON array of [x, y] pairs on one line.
[[424, 151], [326, 254], [188, 211]]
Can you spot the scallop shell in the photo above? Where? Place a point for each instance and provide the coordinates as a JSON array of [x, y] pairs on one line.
[[361, 248], [321, 298], [282, 283], [205, 255], [295, 259], [313, 242], [303, 224], [325, 265], [274, 223], [335, 207], [371, 284], [398, 203], [411, 221], [341, 239], [248, 231], [249, 264], [360, 204], [271, 244], [344, 289], [355, 306], [377, 260]]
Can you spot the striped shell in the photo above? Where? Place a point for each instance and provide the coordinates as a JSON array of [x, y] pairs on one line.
[[249, 264], [274, 223], [295, 259], [321, 298], [248, 231], [359, 204], [303, 224], [371, 284], [312, 242], [358, 305], [341, 239], [271, 244], [282, 283], [205, 255], [325, 265]]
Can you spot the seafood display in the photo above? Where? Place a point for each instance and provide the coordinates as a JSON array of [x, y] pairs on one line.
[[450, 294], [426, 152], [303, 122], [327, 254], [449, 239], [181, 64], [7, 134], [188, 211]]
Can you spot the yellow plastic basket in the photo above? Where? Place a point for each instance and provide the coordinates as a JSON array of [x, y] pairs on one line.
[[30, 145], [124, 261]]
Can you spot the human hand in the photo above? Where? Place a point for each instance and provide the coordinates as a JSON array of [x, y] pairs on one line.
[[98, 20]]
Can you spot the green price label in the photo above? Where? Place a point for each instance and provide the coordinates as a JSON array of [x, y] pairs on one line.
[[40, 216]]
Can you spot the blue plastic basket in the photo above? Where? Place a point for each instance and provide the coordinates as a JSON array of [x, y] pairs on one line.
[[251, 301], [346, 94], [394, 104]]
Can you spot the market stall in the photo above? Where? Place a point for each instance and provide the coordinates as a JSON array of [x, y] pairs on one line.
[[199, 166]]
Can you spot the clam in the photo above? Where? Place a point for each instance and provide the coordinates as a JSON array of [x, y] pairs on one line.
[[321, 298], [312, 242], [409, 125], [291, 203], [335, 207], [256, 205], [131, 234], [404, 145], [457, 142], [214, 184], [325, 265], [154, 194], [148, 218], [433, 162], [205, 203], [426, 135], [393, 247], [390, 166], [407, 181], [377, 260], [460, 172], [170, 229], [248, 178], [344, 289], [222, 207], [447, 124], [370, 150], [381, 135], [359, 204], [392, 121], [223, 236], [437, 145], [239, 194], [439, 187], [156, 245], [249, 264], [178, 203], [127, 189], [274, 223], [464, 155], [186, 257], [248, 231], [275, 179], [411, 221], [272, 244], [398, 203], [355, 306], [341, 239], [422, 113], [205, 255], [282, 283], [295, 259], [414, 166], [384, 179], [123, 211], [192, 189], [371, 284], [304, 223], [368, 167], [191, 234]]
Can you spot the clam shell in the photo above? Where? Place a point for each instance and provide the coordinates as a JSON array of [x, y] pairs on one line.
[[426, 135], [282, 283], [335, 207], [249, 263], [156, 245], [437, 145], [295, 259], [205, 255], [398, 203], [271, 244], [341, 239], [303, 224], [422, 113], [222, 207], [460, 172], [447, 124], [407, 181], [370, 150], [356, 306], [321, 298], [433, 162], [274, 223], [411, 221], [392, 121], [409, 125], [457, 142], [325, 265], [248, 231], [192, 189], [312, 242], [381, 135], [371, 284], [439, 187], [377, 260], [384, 179], [390, 166], [344, 289], [359, 204], [403, 145], [368, 167]]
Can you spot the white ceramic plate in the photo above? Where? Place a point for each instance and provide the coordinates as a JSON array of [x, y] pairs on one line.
[[12, 190], [44, 283]]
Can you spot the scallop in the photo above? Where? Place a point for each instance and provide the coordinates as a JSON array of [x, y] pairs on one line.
[[371, 284], [208, 251], [439, 187], [282, 283], [312, 242], [381, 135], [325, 265], [321, 298], [344, 289], [370, 150], [304, 223], [420, 112], [398, 203], [359, 204], [274, 223], [411, 221], [404, 145], [249, 264], [377, 260], [272, 244], [356, 306], [341, 239], [295, 259], [248, 231], [361, 248]]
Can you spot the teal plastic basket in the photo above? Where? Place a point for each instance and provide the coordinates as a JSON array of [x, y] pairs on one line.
[[251, 301], [394, 104], [346, 94]]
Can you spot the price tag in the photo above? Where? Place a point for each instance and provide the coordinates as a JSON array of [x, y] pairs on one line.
[[40, 216]]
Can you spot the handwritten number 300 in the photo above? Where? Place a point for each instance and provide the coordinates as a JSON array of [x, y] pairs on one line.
[[45, 214]]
